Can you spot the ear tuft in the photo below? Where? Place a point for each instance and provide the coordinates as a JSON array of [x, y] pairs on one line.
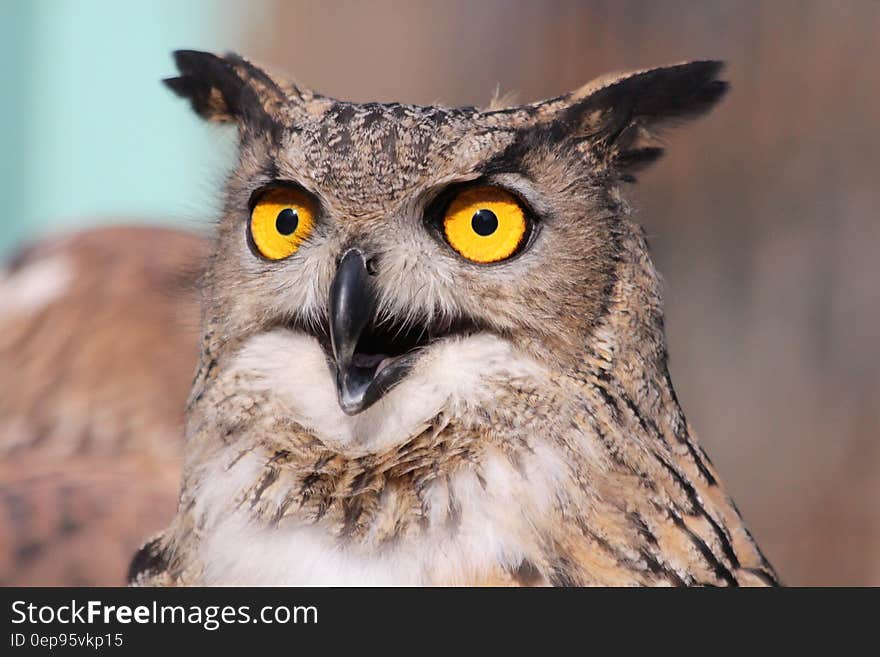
[[227, 88], [682, 91], [634, 160], [209, 83], [619, 114]]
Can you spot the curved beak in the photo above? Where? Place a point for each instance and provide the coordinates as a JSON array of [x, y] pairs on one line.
[[352, 305], [361, 377]]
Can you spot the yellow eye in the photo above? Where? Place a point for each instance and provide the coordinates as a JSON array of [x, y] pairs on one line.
[[282, 219], [485, 224]]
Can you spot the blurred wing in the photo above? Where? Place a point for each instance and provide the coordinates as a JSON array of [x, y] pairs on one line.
[[98, 344]]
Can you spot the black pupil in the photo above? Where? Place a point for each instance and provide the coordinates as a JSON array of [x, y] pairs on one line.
[[484, 222], [287, 221]]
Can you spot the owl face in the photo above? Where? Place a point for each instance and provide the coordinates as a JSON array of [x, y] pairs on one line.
[[383, 232]]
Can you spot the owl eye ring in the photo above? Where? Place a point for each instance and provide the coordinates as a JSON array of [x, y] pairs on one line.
[[282, 218], [486, 224]]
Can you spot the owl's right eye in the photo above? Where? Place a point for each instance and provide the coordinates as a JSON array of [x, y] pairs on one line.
[[281, 220]]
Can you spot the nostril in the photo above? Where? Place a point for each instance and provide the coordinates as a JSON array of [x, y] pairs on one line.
[[370, 264]]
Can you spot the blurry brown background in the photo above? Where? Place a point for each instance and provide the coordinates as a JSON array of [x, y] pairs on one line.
[[763, 218]]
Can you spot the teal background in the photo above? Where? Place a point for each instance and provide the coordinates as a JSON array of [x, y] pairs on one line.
[[87, 132]]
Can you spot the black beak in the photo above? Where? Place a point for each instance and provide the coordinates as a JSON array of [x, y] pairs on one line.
[[361, 378]]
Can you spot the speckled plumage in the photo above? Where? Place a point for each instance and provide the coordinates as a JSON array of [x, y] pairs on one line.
[[537, 440]]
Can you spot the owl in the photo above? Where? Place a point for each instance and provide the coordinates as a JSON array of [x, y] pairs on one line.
[[433, 349]]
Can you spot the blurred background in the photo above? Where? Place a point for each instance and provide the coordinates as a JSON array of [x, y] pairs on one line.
[[763, 220]]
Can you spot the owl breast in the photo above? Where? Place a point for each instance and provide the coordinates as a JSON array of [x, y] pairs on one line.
[[470, 534], [406, 492]]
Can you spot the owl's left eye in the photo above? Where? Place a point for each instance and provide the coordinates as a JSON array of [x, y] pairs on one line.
[[281, 220], [485, 224]]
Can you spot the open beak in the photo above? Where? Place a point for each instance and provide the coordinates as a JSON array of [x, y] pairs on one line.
[[363, 372]]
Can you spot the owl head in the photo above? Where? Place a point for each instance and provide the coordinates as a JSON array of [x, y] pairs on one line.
[[384, 231]]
